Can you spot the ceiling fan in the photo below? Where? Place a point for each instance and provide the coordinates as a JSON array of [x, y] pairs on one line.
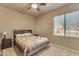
[[36, 5]]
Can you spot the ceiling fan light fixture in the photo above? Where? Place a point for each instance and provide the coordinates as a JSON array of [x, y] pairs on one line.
[[34, 5]]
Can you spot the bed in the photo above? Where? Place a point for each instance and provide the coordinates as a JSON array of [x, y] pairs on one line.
[[29, 43]]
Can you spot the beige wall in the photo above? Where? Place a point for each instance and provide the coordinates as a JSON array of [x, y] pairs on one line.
[[45, 27], [10, 20]]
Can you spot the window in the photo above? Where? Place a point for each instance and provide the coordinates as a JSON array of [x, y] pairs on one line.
[[59, 25], [67, 24], [72, 24]]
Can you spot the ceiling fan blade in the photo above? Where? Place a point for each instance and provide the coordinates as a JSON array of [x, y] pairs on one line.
[[29, 8], [43, 4], [38, 9]]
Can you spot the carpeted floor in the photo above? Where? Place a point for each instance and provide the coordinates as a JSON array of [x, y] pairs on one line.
[[12, 51], [52, 50]]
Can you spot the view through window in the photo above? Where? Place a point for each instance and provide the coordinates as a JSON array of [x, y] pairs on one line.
[[59, 25], [67, 24]]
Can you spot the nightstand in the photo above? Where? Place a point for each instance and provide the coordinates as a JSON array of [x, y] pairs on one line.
[[6, 43]]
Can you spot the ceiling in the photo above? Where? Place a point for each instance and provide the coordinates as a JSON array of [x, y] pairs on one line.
[[23, 7]]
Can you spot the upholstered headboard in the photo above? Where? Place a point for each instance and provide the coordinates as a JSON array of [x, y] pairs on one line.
[[20, 32]]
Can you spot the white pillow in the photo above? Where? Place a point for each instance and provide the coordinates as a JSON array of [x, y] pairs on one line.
[[27, 34], [17, 35], [21, 35]]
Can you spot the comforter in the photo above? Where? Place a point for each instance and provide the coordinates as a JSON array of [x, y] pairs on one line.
[[32, 43]]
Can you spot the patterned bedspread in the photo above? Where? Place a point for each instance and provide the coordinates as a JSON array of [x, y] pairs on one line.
[[31, 42]]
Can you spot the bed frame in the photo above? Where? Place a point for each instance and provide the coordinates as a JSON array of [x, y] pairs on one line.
[[23, 49]]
